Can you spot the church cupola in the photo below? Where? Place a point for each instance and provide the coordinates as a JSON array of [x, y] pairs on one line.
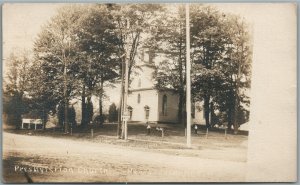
[[148, 57]]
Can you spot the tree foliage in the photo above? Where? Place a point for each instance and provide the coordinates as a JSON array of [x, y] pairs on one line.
[[15, 99], [221, 61]]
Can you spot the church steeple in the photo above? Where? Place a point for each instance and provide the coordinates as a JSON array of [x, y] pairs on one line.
[[148, 57], [144, 76]]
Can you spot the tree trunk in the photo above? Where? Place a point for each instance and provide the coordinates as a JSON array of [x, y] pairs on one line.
[[44, 119], [83, 107], [211, 113], [89, 110], [229, 118], [181, 107], [100, 106], [206, 110], [66, 116], [235, 123], [230, 112], [100, 98]]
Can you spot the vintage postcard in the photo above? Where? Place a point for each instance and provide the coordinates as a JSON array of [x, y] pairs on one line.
[[110, 93]]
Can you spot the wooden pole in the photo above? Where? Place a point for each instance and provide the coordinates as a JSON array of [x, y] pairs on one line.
[[188, 75], [120, 112], [126, 83]]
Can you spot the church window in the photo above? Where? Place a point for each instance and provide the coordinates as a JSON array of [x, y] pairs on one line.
[[139, 98], [164, 105]]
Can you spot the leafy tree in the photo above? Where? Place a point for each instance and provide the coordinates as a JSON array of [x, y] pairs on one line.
[[56, 50], [15, 83], [221, 59], [77, 49], [208, 41], [97, 62], [170, 73], [43, 97], [61, 115], [236, 71], [220, 67]]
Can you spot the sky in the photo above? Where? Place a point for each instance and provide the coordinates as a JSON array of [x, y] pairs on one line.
[[22, 22]]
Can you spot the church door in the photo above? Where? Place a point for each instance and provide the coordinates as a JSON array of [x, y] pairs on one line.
[[147, 112]]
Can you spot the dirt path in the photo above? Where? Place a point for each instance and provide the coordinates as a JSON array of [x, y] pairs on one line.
[[62, 160]]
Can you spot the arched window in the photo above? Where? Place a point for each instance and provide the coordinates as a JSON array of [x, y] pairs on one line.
[[164, 105], [139, 98]]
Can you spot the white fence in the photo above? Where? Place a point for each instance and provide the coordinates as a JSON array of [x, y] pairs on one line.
[[35, 122]]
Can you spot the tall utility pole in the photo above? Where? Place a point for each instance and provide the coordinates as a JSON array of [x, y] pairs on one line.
[[66, 100], [188, 77], [120, 112], [125, 110]]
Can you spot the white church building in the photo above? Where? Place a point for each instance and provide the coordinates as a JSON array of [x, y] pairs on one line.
[[145, 101], [148, 103]]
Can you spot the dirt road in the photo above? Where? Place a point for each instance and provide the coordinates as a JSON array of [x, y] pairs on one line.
[[62, 160]]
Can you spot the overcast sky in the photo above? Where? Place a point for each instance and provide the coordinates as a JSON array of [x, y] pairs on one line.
[[22, 22]]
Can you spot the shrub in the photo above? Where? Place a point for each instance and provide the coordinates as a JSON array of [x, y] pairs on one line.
[[112, 113], [61, 115], [99, 119]]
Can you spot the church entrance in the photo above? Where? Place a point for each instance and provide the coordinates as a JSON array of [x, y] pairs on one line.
[[147, 112]]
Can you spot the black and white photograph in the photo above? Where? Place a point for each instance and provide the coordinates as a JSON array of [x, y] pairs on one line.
[[135, 92]]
